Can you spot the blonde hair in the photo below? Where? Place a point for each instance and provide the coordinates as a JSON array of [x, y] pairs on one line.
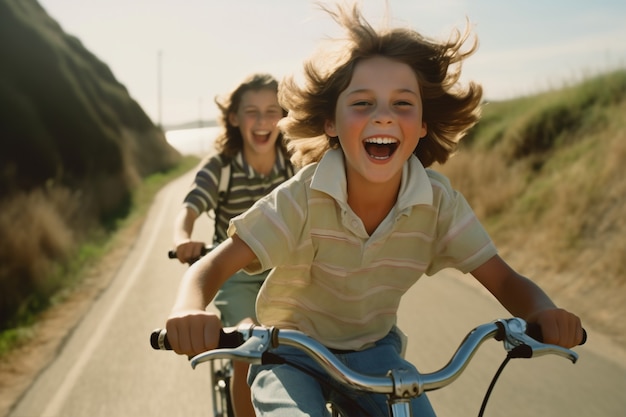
[[448, 110]]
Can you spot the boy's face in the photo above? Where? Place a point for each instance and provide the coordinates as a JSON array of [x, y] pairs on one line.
[[378, 119], [256, 118]]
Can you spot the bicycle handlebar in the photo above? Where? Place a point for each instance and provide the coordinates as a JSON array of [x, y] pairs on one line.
[[253, 344], [172, 252]]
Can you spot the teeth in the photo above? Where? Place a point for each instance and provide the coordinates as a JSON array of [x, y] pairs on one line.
[[381, 141], [261, 132]]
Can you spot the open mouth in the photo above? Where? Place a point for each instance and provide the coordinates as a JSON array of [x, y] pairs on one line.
[[261, 136], [380, 148]]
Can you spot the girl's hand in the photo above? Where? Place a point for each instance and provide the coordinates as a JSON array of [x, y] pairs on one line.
[[558, 327], [189, 251], [194, 331]]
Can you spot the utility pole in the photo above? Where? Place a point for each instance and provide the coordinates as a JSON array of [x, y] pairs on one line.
[[159, 86], [200, 112]]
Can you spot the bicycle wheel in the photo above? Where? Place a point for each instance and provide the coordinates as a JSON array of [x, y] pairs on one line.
[[227, 371], [221, 372]]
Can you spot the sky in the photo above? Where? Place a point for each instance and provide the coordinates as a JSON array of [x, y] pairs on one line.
[[175, 57]]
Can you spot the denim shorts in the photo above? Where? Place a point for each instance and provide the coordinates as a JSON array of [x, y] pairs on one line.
[[284, 390], [236, 300]]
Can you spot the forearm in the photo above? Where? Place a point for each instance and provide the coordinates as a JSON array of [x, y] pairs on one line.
[[523, 298], [518, 294], [204, 278], [183, 225], [200, 284], [192, 294]]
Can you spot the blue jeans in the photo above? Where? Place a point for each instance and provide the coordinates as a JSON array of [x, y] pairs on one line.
[[286, 391]]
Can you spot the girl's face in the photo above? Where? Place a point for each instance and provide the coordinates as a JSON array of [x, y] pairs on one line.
[[378, 120], [256, 118]]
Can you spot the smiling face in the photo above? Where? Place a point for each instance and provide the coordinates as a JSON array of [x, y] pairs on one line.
[[256, 118], [378, 120]]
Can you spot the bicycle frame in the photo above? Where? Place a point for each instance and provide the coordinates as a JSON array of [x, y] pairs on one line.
[[399, 385]]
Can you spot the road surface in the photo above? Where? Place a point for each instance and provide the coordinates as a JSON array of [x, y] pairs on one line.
[[106, 367]]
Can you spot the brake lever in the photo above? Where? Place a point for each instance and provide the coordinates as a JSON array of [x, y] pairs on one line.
[[521, 345], [256, 342]]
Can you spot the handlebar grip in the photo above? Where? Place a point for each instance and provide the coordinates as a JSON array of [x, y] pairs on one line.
[[534, 330], [159, 340], [206, 249]]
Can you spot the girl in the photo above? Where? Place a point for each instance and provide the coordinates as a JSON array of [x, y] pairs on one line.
[[358, 225], [252, 148]]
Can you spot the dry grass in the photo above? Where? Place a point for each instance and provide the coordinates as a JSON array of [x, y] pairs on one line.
[[558, 214], [54, 234], [40, 239], [485, 180]]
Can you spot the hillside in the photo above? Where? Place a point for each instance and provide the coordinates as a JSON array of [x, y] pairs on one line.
[[74, 146], [546, 174]]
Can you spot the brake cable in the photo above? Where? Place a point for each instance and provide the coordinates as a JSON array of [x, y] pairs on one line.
[[492, 384]]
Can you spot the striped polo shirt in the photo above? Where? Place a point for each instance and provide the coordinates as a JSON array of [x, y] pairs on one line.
[[246, 187], [331, 279]]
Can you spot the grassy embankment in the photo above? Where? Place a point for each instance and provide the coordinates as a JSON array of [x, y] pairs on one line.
[[546, 174], [59, 276]]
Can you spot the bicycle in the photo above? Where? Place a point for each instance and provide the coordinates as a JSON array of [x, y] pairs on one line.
[[220, 370], [254, 344]]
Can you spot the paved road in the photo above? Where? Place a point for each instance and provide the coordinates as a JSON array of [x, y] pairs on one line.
[[106, 367]]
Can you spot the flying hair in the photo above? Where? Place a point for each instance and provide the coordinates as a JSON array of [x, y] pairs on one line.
[[449, 109]]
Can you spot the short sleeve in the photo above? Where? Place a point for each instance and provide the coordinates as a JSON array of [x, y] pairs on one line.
[[275, 225], [203, 193], [462, 241]]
